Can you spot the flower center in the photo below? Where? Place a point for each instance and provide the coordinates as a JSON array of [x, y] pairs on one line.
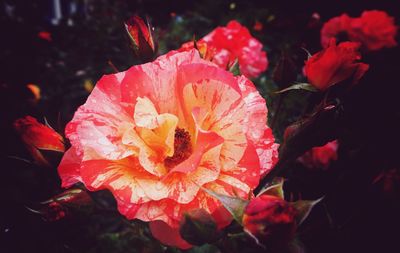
[[182, 148]]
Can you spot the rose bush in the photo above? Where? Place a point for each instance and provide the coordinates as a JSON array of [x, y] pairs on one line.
[[234, 42], [157, 133]]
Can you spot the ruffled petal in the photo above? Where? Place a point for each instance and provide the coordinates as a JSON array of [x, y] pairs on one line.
[[69, 168], [97, 126], [222, 111], [245, 176], [171, 212], [125, 178], [167, 235], [256, 128], [158, 82]]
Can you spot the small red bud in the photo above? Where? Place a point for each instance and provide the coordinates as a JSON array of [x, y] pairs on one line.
[[141, 37], [37, 138], [271, 220]]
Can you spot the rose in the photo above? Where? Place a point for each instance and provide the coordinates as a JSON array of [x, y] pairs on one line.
[[159, 133], [374, 30], [333, 28], [38, 138], [320, 157], [235, 42], [271, 220], [334, 64]]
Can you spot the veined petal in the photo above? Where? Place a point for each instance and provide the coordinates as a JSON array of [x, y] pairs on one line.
[[256, 128], [157, 130], [96, 127], [225, 114], [125, 178], [245, 176], [183, 187], [168, 235], [69, 168]]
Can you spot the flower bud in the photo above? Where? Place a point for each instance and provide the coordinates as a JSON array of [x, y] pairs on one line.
[[38, 138], [141, 37], [321, 156], [335, 64], [64, 204], [271, 220], [198, 227]]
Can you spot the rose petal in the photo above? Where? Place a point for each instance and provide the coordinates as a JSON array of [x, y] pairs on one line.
[[167, 235], [69, 168]]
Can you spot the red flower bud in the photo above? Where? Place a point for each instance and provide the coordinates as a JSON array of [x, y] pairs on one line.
[[258, 26], [61, 205], [38, 137], [45, 36], [334, 64], [141, 36], [320, 157], [271, 220]]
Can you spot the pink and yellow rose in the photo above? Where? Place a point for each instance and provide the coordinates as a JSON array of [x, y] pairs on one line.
[[157, 134]]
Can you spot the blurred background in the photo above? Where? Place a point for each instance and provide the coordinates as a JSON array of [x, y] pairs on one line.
[[65, 46]]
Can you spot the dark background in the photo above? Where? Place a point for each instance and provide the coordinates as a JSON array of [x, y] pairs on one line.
[[355, 216]]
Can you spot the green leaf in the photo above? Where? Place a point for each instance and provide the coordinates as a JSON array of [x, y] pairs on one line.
[[68, 195], [275, 189], [234, 205], [298, 86], [304, 208], [234, 68], [198, 227]]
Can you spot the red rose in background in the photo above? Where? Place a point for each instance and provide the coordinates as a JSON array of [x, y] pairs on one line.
[[320, 157], [374, 30], [335, 64], [37, 137], [235, 42], [158, 132], [271, 220], [333, 27], [45, 36]]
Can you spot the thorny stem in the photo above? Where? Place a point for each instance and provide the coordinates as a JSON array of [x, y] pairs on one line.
[[113, 66]]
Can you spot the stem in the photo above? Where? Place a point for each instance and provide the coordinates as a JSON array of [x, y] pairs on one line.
[[113, 66]]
